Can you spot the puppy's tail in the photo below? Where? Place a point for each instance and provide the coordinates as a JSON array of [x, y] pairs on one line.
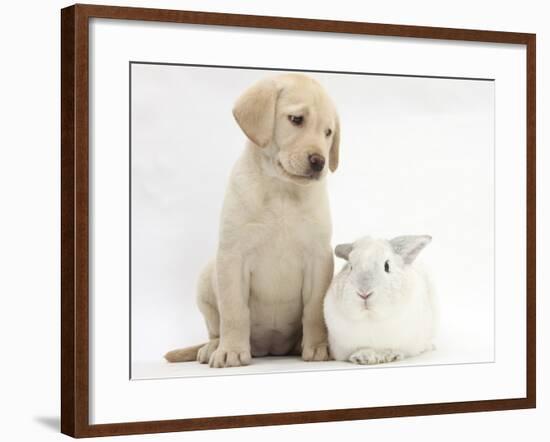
[[187, 354]]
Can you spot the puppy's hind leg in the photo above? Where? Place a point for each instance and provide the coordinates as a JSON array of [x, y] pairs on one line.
[[207, 305], [207, 302]]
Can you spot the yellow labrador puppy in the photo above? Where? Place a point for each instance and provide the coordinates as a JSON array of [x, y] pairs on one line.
[[263, 293]]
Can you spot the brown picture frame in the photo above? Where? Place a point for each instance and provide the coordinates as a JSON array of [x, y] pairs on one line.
[[74, 219]]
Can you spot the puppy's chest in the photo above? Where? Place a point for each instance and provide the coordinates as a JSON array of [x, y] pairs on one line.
[[281, 221]]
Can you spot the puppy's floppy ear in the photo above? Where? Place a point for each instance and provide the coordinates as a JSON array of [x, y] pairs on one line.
[[335, 148], [409, 246], [255, 111], [343, 251]]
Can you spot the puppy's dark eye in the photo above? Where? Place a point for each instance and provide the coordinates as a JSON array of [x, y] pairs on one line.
[[328, 132], [387, 266], [297, 120]]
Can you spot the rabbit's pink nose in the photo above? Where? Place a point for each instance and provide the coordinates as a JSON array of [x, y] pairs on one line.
[[364, 295]]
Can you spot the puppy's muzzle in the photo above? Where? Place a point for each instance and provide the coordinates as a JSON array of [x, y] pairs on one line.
[[316, 162]]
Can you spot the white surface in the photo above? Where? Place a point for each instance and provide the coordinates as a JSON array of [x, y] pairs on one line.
[[30, 280], [287, 364], [114, 398], [416, 156]]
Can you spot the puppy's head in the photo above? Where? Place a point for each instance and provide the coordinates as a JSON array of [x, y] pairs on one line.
[[294, 122]]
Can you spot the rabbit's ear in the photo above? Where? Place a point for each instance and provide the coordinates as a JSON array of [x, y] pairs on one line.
[[409, 246], [343, 250]]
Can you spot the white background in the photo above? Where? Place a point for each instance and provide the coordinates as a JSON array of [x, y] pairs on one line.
[[30, 229], [416, 157]]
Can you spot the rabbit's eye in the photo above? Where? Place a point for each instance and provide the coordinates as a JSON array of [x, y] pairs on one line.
[[387, 266]]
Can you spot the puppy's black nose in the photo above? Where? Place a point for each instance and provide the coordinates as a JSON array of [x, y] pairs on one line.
[[317, 162]]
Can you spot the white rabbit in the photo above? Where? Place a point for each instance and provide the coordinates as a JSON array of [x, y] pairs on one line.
[[381, 306]]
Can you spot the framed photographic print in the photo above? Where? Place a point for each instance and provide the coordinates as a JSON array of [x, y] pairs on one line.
[[264, 216]]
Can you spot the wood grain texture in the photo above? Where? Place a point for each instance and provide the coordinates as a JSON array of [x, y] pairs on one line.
[[531, 221], [68, 343], [74, 218]]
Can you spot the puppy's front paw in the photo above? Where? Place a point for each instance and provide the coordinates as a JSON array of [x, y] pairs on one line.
[[315, 352], [369, 356], [223, 357]]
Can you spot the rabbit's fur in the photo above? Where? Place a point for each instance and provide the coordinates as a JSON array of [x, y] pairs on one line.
[[381, 306]]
